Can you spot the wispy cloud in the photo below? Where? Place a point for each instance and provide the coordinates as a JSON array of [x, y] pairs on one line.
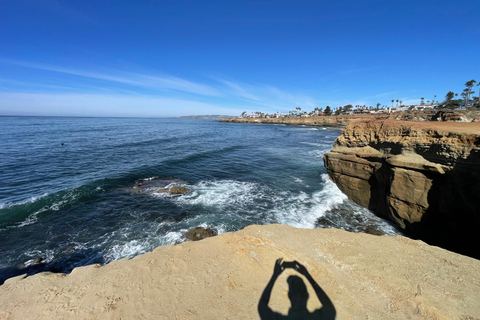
[[266, 96], [116, 83], [75, 104], [239, 91], [129, 78]]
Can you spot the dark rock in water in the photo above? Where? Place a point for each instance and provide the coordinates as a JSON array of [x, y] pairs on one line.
[[338, 218], [372, 231], [160, 185], [31, 263], [346, 219], [199, 233], [178, 190], [323, 222]]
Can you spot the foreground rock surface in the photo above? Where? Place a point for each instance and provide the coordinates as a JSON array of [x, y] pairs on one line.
[[425, 176], [364, 277]]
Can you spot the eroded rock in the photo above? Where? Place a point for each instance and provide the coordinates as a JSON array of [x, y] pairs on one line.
[[199, 233], [424, 176], [341, 218]]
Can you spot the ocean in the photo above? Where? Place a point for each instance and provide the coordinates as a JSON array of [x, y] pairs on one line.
[[79, 191]]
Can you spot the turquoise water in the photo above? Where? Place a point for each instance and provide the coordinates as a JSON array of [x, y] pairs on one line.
[[63, 206]]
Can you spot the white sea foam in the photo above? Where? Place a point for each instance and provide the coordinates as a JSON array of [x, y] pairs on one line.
[[319, 153], [297, 179], [31, 219], [56, 206], [220, 193], [317, 144], [301, 210], [6, 205], [130, 249], [46, 256]]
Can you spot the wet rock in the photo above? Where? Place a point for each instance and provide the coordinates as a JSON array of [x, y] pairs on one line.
[[370, 230], [31, 263], [158, 185], [323, 222], [199, 233], [178, 190], [346, 219]]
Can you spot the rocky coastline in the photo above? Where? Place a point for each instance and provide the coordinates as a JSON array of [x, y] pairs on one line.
[[424, 176], [343, 120], [421, 175], [327, 121], [230, 276]]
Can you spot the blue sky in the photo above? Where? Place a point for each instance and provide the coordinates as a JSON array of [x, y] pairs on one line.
[[170, 58]]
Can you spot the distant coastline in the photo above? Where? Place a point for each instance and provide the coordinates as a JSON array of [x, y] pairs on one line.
[[343, 120], [213, 117]]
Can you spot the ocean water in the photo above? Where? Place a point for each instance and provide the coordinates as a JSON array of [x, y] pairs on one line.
[[70, 190]]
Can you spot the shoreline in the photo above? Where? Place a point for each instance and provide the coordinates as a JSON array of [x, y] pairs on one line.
[[224, 276], [329, 121], [444, 115]]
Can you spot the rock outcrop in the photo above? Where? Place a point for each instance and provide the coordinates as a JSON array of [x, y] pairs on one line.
[[343, 120], [156, 185], [326, 121], [424, 176], [199, 233], [358, 276]]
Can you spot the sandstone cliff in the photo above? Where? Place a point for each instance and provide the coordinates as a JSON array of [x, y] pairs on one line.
[[328, 121], [356, 276], [424, 176], [343, 120]]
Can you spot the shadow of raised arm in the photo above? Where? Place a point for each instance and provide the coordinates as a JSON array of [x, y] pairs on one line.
[[298, 295], [328, 310], [263, 309]]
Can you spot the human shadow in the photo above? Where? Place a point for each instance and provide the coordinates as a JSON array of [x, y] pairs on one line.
[[298, 295]]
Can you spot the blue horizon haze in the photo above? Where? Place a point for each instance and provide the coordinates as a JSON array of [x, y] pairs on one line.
[[176, 58]]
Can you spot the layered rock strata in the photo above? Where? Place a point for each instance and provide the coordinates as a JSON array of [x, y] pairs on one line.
[[353, 275], [424, 176]]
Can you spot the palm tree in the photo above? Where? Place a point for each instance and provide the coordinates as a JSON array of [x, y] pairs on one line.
[[401, 103], [422, 102], [468, 90], [328, 111], [392, 102], [397, 103]]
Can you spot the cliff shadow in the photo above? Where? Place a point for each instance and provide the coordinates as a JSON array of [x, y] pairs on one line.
[[453, 216], [298, 295]]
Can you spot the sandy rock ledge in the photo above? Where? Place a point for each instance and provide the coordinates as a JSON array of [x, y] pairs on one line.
[[364, 276]]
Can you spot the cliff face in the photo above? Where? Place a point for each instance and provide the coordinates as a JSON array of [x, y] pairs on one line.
[[424, 176], [343, 120], [333, 121]]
